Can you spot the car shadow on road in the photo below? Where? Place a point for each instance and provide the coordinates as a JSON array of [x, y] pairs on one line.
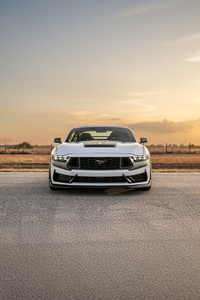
[[32, 213], [98, 191]]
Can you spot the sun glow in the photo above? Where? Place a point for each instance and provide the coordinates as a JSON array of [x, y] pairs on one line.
[[125, 64]]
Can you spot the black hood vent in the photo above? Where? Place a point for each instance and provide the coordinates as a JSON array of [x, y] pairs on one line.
[[100, 144]]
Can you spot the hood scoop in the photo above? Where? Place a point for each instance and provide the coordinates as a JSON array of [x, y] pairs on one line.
[[100, 144]]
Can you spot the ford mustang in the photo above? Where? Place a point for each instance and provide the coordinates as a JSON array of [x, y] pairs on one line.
[[100, 156]]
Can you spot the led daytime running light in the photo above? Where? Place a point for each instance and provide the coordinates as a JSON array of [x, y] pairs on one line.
[[62, 158], [137, 158]]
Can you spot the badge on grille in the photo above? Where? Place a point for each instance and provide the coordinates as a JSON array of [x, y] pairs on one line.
[[100, 162]]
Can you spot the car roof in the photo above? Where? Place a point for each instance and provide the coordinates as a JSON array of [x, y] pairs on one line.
[[100, 126]]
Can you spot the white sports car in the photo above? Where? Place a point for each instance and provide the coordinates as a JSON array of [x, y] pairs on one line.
[[100, 156]]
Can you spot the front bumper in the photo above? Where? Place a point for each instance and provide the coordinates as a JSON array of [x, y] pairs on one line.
[[138, 178]]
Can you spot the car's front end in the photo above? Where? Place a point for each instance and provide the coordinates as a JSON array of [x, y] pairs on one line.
[[100, 163]]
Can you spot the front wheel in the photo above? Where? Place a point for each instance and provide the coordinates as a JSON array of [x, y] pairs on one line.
[[146, 188]]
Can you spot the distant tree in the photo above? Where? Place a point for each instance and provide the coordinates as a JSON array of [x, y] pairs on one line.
[[24, 145]]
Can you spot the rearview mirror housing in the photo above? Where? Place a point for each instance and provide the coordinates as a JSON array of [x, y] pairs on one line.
[[58, 140], [143, 140]]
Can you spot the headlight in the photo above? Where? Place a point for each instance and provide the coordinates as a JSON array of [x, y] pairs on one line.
[[137, 158], [62, 158]]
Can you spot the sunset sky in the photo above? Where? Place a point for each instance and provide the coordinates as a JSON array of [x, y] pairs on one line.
[[66, 63]]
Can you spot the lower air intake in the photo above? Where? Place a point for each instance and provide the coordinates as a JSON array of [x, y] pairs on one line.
[[99, 179]]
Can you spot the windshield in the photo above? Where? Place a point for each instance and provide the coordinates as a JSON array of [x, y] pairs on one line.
[[101, 133]]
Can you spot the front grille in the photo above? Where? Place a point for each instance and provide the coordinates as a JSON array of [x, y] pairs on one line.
[[100, 163], [100, 179]]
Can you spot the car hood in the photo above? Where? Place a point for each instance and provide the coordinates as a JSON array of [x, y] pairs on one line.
[[99, 148]]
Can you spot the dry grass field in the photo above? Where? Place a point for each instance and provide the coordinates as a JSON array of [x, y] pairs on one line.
[[176, 162], [175, 158], [24, 158], [37, 159], [35, 151]]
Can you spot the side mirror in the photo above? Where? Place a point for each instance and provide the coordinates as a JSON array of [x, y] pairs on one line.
[[143, 140], [58, 140]]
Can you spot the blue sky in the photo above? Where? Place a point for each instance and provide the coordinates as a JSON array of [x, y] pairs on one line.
[[69, 63]]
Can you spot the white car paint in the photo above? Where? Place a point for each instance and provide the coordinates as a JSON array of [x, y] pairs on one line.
[[101, 153]]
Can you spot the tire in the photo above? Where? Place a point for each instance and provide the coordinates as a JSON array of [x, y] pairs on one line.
[[145, 188]]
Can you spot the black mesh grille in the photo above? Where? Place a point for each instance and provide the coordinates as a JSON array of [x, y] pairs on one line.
[[100, 163], [99, 179]]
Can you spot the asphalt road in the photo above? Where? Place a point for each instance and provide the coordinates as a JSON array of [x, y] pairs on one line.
[[99, 244]]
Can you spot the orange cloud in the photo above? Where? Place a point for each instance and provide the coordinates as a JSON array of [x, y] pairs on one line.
[[166, 126]]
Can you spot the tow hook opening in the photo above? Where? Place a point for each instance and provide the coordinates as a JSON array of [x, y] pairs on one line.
[[72, 178], [128, 180]]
